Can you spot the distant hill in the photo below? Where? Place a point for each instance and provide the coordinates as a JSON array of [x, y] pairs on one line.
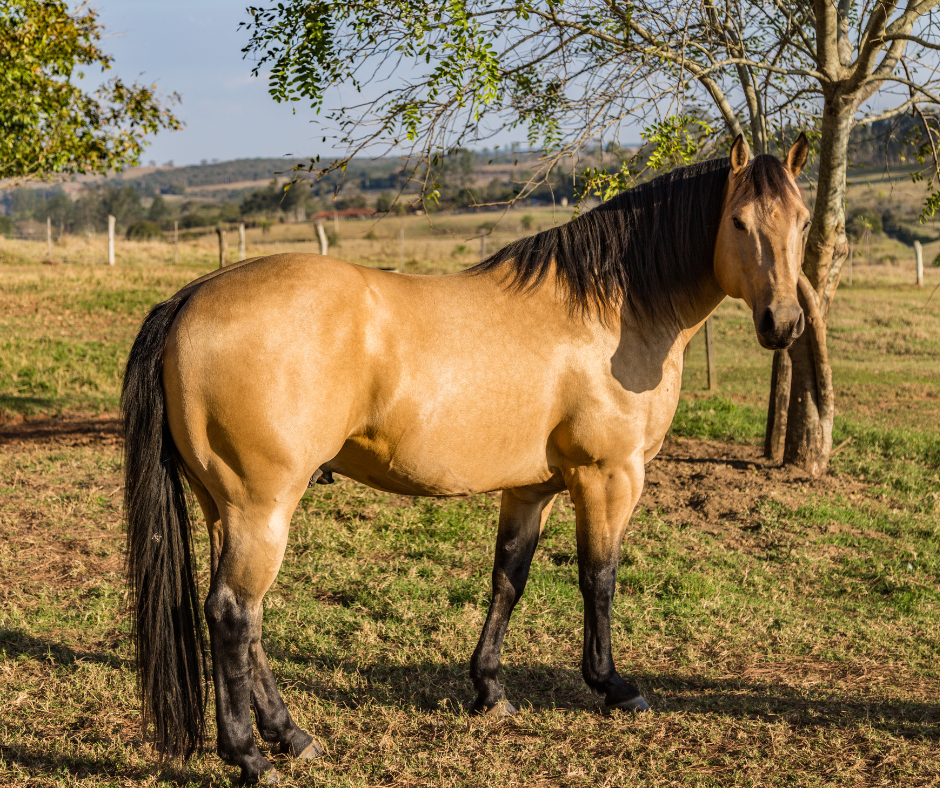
[[169, 180]]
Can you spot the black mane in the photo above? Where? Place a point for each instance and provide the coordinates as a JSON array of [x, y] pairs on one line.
[[649, 248]]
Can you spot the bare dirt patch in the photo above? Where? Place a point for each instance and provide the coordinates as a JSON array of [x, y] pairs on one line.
[[701, 483]]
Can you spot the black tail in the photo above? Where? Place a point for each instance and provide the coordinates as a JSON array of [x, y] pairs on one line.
[[171, 660]]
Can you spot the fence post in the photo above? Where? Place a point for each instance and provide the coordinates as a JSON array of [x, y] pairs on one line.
[[176, 241], [919, 255], [710, 354], [221, 233], [241, 241], [482, 247], [49, 236], [321, 235], [111, 221]]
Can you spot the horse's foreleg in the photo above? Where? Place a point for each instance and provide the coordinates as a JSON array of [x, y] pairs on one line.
[[604, 501], [522, 515]]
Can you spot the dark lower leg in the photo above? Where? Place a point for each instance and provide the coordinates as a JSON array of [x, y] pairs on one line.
[[519, 527], [598, 582], [274, 721], [230, 626]]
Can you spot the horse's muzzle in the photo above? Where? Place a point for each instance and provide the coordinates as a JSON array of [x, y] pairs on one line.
[[778, 328]]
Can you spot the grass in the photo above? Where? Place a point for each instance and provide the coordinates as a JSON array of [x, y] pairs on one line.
[[792, 642], [800, 653]]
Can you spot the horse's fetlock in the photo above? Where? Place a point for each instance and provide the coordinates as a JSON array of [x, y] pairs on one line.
[[597, 680]]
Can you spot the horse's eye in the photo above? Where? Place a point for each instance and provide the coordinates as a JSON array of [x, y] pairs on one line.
[[738, 224], [806, 226]]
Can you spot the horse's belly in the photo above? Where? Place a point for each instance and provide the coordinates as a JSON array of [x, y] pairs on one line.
[[421, 465]]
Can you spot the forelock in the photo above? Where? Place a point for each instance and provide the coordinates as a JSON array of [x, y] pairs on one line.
[[765, 181]]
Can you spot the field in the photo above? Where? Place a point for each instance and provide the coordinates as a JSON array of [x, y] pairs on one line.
[[784, 629], [431, 244]]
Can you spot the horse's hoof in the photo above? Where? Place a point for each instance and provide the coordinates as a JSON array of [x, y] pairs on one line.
[[636, 704], [311, 752], [268, 776], [501, 709]]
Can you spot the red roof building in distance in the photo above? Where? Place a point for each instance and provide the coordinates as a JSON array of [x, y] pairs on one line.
[[347, 213]]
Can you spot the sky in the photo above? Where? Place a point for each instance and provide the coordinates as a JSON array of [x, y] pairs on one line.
[[193, 47]]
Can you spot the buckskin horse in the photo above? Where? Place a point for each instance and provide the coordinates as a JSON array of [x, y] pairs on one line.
[[553, 365]]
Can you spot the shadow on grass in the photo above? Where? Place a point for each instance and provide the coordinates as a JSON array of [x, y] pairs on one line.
[[60, 430], [26, 405], [775, 701], [64, 756], [430, 686], [53, 763], [16, 643]]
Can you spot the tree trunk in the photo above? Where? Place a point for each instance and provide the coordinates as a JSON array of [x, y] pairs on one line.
[[801, 409], [811, 408]]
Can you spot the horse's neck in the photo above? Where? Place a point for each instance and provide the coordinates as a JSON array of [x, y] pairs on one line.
[[709, 296], [670, 332]]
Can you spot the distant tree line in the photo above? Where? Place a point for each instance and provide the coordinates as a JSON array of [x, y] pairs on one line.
[[897, 142], [143, 211]]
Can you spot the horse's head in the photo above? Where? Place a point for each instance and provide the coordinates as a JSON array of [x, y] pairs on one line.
[[759, 249]]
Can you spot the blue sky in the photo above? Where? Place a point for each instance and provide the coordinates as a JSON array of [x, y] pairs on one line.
[[194, 47]]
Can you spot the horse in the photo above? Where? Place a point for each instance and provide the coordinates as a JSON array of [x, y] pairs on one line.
[[553, 365]]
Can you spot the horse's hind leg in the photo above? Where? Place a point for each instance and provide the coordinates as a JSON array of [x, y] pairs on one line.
[[274, 721], [522, 515], [252, 547]]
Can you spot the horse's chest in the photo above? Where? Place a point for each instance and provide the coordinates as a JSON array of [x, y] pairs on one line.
[[625, 416]]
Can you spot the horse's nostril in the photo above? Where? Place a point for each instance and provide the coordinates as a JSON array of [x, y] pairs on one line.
[[798, 327], [766, 323]]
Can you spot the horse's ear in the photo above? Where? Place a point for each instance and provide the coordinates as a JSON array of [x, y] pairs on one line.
[[739, 154], [796, 158]]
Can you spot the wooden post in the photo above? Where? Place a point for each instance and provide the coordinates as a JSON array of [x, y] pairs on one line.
[[321, 234], [710, 354], [401, 249], [176, 241], [49, 237], [221, 233], [111, 221], [482, 247], [919, 255], [241, 241]]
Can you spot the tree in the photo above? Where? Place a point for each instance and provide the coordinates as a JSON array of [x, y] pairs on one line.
[[95, 204], [49, 125], [159, 212], [571, 74]]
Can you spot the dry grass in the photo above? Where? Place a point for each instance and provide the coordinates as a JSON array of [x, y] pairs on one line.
[[433, 244], [787, 654]]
